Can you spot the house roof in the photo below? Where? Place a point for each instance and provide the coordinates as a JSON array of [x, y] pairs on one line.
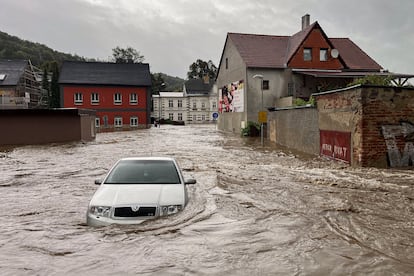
[[353, 57], [269, 51], [198, 86], [12, 71], [101, 73]]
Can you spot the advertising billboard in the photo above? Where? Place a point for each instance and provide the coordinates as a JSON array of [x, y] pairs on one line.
[[231, 97]]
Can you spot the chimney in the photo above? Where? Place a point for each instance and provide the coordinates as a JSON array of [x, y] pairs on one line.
[[305, 21]]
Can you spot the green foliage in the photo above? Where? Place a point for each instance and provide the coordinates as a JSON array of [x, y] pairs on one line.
[[127, 55], [163, 82], [251, 129], [372, 80], [302, 102], [54, 101], [40, 55], [200, 69]]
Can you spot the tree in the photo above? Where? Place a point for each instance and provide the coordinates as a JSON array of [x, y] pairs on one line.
[[54, 101], [200, 69], [128, 55], [158, 83]]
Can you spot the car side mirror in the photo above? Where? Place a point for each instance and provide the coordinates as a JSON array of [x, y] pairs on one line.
[[190, 181], [98, 182]]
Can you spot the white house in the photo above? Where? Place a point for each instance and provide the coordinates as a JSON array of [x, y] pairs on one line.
[[196, 104]]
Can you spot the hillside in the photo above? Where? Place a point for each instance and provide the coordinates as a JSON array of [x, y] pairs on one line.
[[40, 55], [12, 47]]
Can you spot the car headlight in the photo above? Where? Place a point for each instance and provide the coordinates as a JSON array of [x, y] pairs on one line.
[[170, 209], [100, 211]]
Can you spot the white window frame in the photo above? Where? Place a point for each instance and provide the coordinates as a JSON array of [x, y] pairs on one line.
[[117, 98], [133, 121], [97, 122], [180, 103], [133, 98], [118, 121], [171, 116], [307, 54], [323, 54], [95, 98], [78, 98], [180, 116], [170, 103]]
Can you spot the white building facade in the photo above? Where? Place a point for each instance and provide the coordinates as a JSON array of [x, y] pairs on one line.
[[188, 107]]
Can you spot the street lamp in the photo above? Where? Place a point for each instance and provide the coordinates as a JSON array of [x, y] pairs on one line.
[[159, 103], [261, 110]]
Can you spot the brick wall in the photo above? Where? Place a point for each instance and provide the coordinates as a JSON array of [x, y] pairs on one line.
[[380, 120]]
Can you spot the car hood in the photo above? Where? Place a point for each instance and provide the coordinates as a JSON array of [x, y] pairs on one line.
[[143, 194]]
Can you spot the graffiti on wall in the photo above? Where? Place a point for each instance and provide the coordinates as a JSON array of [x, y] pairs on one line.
[[394, 133]]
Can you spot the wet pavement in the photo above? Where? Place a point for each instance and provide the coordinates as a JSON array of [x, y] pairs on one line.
[[254, 211]]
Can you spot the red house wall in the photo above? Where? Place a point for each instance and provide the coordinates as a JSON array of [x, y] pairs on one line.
[[106, 105], [316, 41]]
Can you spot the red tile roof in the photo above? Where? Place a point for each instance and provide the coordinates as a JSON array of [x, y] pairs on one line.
[[353, 57], [268, 51]]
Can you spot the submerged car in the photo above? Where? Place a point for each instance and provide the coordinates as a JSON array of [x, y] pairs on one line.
[[138, 189]]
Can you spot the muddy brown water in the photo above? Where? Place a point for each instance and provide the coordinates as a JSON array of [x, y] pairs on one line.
[[254, 211]]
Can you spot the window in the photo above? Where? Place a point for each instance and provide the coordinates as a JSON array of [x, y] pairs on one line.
[[291, 88], [171, 116], [170, 103], [133, 121], [105, 120], [94, 98], [133, 98], [203, 106], [97, 122], [118, 121], [214, 105], [203, 117], [2, 77], [307, 54], [265, 85], [117, 98], [78, 98], [323, 54], [194, 106], [180, 103], [180, 116], [194, 117]]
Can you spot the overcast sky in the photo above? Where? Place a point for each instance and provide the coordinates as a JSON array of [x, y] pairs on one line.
[[172, 34]]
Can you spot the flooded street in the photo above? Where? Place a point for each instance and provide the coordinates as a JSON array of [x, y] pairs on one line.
[[253, 211]]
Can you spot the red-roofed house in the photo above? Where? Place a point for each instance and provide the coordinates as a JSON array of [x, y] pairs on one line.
[[286, 67]]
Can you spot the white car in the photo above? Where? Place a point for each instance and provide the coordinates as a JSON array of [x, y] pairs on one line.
[[137, 189]]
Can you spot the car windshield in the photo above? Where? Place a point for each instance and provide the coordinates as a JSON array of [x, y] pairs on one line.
[[144, 172]]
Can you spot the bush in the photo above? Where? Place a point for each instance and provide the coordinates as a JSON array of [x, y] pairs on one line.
[[373, 80], [252, 129]]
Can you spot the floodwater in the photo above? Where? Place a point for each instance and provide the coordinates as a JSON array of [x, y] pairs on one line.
[[254, 211]]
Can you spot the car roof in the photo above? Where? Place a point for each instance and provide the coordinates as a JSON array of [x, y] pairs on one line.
[[149, 158]]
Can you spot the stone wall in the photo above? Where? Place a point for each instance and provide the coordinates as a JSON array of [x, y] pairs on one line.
[[380, 120]]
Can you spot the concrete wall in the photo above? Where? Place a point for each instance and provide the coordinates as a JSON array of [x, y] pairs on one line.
[[40, 126], [296, 128]]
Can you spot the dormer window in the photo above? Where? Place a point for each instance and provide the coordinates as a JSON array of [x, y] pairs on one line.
[[307, 54], [2, 77], [323, 54]]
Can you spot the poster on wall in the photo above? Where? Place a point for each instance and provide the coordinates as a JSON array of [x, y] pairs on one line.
[[231, 97]]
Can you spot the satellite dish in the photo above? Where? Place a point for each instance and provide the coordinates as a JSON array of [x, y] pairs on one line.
[[334, 53]]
